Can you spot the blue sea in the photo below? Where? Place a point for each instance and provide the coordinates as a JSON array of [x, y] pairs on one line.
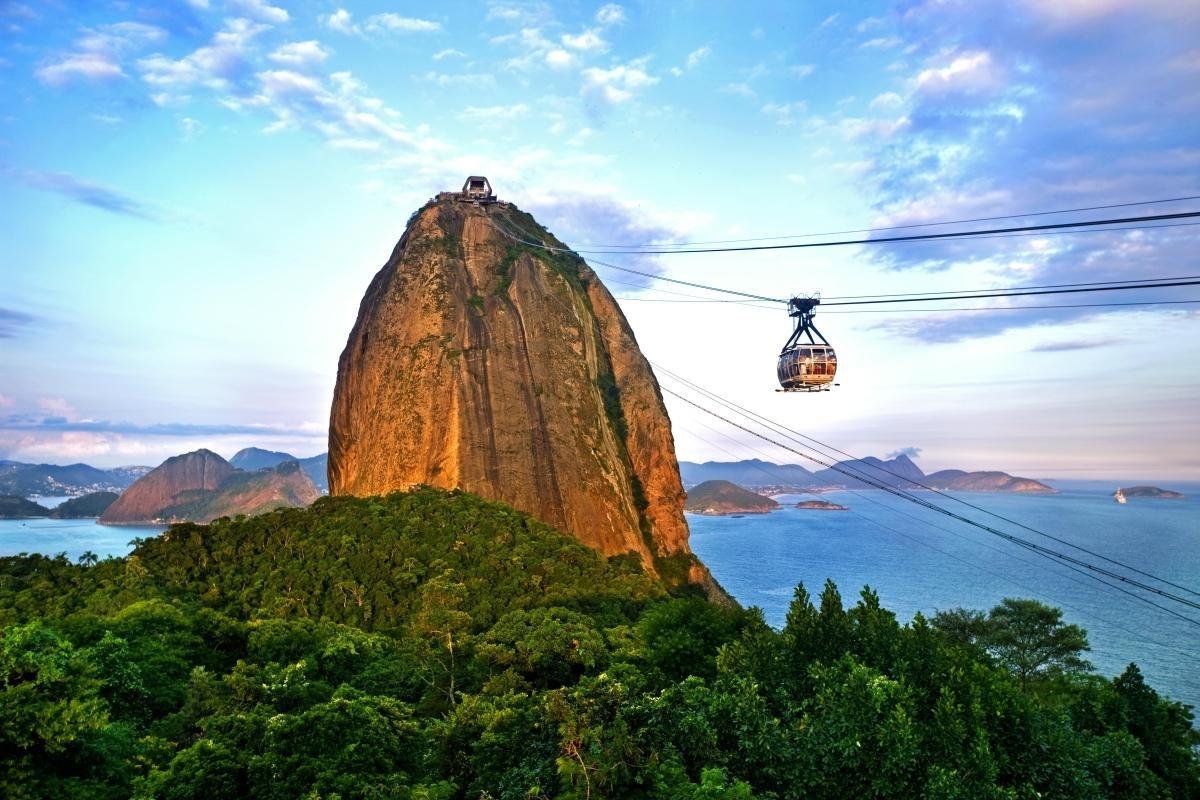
[[915, 559], [918, 560]]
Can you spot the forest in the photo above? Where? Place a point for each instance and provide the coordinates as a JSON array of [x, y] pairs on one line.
[[434, 645]]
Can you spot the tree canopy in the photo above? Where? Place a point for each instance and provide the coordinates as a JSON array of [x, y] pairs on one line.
[[434, 645]]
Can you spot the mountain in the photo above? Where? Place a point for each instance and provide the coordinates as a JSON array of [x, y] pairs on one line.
[[249, 493], [14, 507], [26, 480], [201, 486], [89, 505], [723, 497], [959, 481], [162, 487], [254, 458], [507, 370], [753, 472], [899, 471]]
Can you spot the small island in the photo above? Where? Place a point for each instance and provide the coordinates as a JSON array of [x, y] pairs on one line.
[[1148, 491], [717, 498], [820, 505]]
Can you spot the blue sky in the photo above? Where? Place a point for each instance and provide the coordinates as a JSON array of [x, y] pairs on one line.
[[195, 194]]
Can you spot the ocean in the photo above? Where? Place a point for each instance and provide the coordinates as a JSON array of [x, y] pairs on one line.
[[918, 560]]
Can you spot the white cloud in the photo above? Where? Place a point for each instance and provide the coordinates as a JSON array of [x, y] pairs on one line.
[[190, 128], [882, 43], [888, 101], [342, 22], [98, 53], [740, 89], [299, 55], [559, 59], [964, 72], [492, 113], [449, 52], [610, 14], [784, 113], [618, 84], [461, 79], [216, 65], [394, 23], [857, 128], [259, 10], [589, 42], [698, 55], [796, 178], [802, 70]]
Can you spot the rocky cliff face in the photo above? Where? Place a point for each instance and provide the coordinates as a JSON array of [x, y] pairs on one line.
[[484, 364], [161, 486]]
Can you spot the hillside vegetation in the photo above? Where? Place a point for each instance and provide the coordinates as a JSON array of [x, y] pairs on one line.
[[435, 645]]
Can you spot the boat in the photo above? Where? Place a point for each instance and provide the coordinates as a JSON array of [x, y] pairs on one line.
[[1119, 496]]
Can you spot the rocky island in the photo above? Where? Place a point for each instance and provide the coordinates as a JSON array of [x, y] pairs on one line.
[[1149, 491], [820, 505], [717, 498]]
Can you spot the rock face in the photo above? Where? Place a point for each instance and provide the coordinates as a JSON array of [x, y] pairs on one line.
[[160, 487], [723, 497], [201, 486], [509, 371]]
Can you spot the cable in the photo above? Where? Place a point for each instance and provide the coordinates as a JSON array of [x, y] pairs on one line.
[[1053, 226], [1126, 285], [781, 429], [1010, 308], [1006, 293], [1010, 288], [905, 227], [1039, 549]]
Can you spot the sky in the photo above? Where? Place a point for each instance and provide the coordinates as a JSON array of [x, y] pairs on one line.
[[194, 195]]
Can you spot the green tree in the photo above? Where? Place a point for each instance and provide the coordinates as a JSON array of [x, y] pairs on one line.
[[1031, 640]]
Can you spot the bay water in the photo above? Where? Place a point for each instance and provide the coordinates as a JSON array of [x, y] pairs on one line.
[[919, 560]]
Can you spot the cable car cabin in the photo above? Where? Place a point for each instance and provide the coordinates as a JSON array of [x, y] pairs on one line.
[[807, 368], [807, 362], [477, 190]]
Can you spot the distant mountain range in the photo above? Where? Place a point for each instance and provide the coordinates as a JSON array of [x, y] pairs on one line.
[[73, 480], [899, 472]]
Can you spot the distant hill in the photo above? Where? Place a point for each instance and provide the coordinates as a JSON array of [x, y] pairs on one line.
[[958, 481], [723, 497], [254, 458], [25, 480], [201, 486], [90, 505], [753, 472], [1151, 491], [899, 472], [820, 505], [13, 507]]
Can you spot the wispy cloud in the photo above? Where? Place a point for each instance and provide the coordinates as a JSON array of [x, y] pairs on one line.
[[88, 193], [395, 23], [37, 422], [1073, 344], [259, 10], [98, 52], [13, 322]]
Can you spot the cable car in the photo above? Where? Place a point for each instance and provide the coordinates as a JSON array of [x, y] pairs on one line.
[[807, 362]]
